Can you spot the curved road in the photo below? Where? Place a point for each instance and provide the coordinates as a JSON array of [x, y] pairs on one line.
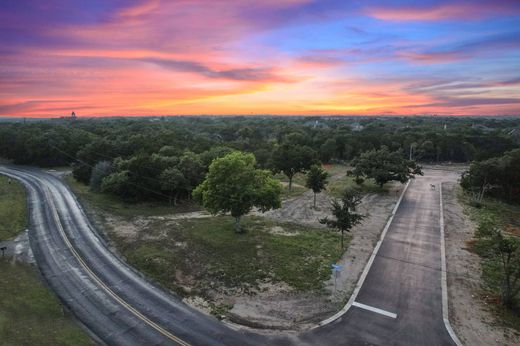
[[399, 303]]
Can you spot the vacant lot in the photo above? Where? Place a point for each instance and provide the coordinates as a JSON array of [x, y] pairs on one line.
[[277, 275], [30, 314]]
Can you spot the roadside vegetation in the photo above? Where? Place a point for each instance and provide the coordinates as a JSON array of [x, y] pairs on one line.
[[491, 197], [12, 208], [205, 255], [30, 314]]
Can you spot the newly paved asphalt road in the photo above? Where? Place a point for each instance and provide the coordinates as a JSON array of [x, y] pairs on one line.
[[400, 302]]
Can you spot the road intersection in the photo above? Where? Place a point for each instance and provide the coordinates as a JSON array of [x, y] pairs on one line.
[[400, 299]]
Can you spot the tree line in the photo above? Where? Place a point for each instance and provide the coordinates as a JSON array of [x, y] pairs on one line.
[[166, 158]]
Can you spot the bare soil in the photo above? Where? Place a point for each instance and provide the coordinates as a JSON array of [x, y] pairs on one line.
[[285, 309], [470, 315], [273, 306]]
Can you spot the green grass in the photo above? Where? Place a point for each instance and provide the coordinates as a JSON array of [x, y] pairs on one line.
[[12, 208], [298, 179], [494, 213], [29, 312], [117, 206], [298, 185], [336, 188], [212, 251]]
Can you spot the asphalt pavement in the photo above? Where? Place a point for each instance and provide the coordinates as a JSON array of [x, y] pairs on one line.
[[399, 303]]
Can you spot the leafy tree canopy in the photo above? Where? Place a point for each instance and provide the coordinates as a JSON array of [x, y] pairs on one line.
[[383, 166], [344, 212], [234, 185], [316, 180], [291, 159]]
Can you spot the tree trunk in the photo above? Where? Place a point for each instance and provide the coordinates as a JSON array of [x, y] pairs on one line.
[[314, 200], [290, 183], [238, 228], [506, 293], [175, 199], [342, 239]]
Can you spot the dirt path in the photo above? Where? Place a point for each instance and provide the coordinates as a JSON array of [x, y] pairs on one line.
[[470, 316]]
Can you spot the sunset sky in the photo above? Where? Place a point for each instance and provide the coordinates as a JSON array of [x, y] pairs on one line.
[[151, 57]]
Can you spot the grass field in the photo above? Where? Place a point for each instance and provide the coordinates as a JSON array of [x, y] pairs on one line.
[[338, 183], [298, 185], [494, 213], [208, 250], [30, 314], [336, 188], [12, 208]]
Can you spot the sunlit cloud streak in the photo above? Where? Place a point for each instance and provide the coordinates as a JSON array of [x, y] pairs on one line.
[[289, 57]]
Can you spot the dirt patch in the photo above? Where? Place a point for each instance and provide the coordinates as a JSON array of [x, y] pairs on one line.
[[268, 305], [281, 309], [470, 314]]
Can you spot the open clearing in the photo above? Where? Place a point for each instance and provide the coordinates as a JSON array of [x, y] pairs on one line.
[[276, 276], [30, 314]]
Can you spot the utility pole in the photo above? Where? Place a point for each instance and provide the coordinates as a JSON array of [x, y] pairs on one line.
[[411, 151]]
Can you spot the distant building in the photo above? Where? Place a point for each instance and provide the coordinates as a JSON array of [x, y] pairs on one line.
[[356, 126]]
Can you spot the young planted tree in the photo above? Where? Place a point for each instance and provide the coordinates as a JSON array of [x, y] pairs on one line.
[[382, 165], [291, 159], [316, 180], [174, 182], [507, 250], [344, 212], [234, 185]]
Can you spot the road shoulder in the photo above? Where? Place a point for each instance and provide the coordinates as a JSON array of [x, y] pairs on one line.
[[471, 318]]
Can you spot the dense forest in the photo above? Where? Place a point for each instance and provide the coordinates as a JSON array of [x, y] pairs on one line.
[[161, 158]]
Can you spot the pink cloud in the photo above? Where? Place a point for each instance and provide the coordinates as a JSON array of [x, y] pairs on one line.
[[433, 58], [468, 10]]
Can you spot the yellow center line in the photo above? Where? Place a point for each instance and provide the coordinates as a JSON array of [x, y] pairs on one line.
[[105, 287]]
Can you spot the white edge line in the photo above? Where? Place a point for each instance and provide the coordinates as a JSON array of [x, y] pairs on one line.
[[92, 275], [367, 266], [444, 283], [376, 310]]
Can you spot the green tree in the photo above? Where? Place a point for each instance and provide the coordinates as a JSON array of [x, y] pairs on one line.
[[100, 171], [234, 185], [382, 165], [328, 150], [192, 168], [291, 159], [344, 212], [173, 182], [498, 175], [316, 180], [118, 184], [507, 250]]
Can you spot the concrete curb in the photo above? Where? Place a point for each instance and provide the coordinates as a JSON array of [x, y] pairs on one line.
[[444, 281], [367, 266]]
